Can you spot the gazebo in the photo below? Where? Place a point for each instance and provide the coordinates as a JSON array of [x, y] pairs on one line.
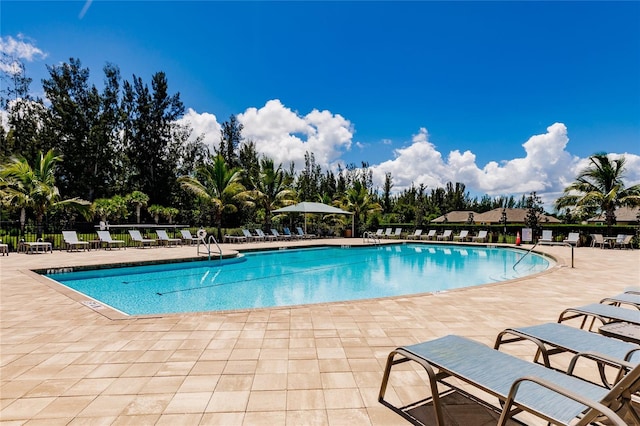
[[317, 208]]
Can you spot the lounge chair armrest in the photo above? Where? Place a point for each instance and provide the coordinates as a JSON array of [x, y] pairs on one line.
[[606, 411], [519, 336], [599, 358]]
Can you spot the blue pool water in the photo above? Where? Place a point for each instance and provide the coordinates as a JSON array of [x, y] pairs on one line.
[[299, 276]]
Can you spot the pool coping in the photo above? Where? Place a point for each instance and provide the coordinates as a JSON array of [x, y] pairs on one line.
[[115, 314]]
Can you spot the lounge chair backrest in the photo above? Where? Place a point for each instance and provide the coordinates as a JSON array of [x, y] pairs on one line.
[[598, 238], [246, 233], [275, 232], [418, 232], [447, 233], [135, 235], [432, 233], [387, 232], [379, 232], [573, 236], [482, 234], [287, 231], [464, 233], [70, 236], [300, 231], [398, 231], [162, 234], [186, 234], [104, 236], [260, 233], [547, 235]]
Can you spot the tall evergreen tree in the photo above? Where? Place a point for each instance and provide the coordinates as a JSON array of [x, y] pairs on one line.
[[230, 140], [79, 133], [151, 116]]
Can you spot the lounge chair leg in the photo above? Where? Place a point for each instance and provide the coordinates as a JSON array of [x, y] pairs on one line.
[[433, 383]]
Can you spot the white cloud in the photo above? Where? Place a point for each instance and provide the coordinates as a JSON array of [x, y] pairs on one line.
[[204, 124], [15, 50], [546, 167], [285, 136], [20, 49]]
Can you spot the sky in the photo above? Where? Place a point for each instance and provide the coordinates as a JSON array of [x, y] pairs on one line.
[[506, 97]]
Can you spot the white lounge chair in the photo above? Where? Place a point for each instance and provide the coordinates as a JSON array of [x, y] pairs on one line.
[[304, 234], [104, 237], [446, 235], [463, 236], [250, 237], [430, 235], [519, 385], [480, 238], [187, 238], [264, 236], [416, 235], [165, 239], [4, 248], [573, 239], [547, 237], [137, 239], [387, 233], [72, 242], [598, 240], [623, 241], [279, 236], [397, 233]]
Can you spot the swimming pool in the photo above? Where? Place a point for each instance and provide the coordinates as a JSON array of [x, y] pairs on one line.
[[299, 276]]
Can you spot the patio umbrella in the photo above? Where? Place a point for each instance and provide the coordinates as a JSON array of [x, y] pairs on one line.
[[309, 207]]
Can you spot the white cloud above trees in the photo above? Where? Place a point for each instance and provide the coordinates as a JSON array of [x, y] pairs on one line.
[[17, 49], [285, 136], [547, 166]]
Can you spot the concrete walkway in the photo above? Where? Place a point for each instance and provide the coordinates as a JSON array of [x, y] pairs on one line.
[[65, 363]]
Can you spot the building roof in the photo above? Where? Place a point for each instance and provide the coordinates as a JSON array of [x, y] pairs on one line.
[[456, 216], [513, 216], [623, 214]]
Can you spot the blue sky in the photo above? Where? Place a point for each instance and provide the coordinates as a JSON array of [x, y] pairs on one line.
[[507, 97]]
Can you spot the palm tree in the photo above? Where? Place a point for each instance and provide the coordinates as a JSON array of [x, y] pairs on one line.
[[34, 187], [272, 189], [600, 187], [110, 208], [138, 199], [360, 201], [216, 184]]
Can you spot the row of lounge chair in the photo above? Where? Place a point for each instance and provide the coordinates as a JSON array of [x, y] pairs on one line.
[[104, 240], [447, 235], [547, 390], [259, 236]]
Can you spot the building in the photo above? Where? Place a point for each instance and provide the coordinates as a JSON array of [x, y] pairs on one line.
[[624, 216], [513, 216]]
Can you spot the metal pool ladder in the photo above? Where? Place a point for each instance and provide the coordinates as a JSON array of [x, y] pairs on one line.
[[370, 237], [207, 245]]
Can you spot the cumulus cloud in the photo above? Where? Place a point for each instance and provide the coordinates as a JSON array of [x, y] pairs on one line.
[[203, 124], [285, 136], [16, 49], [546, 165]]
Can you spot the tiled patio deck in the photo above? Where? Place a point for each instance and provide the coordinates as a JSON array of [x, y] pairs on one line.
[[64, 363]]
